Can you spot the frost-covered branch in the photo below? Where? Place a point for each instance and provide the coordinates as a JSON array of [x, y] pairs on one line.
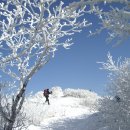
[[113, 17], [114, 66], [37, 26], [115, 108]]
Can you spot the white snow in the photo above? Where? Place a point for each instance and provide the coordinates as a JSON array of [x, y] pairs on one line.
[[63, 113]]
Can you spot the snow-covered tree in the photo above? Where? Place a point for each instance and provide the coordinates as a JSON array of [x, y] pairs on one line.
[[30, 33], [5, 107], [114, 16], [116, 106], [116, 19], [57, 91]]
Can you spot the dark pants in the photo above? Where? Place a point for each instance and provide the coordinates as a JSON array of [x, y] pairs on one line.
[[47, 99]]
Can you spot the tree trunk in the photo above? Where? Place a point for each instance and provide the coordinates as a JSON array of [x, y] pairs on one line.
[[16, 107], [9, 126]]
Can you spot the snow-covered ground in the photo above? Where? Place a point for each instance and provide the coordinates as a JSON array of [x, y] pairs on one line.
[[64, 112]]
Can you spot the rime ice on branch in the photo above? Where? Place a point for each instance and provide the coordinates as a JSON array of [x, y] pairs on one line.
[[30, 33]]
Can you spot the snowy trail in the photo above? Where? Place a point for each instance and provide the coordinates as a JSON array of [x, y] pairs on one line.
[[85, 122], [66, 113], [63, 113], [60, 108]]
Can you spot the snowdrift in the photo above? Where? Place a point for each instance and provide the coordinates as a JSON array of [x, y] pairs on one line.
[[67, 108]]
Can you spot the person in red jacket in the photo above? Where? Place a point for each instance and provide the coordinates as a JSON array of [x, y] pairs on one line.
[[46, 95]]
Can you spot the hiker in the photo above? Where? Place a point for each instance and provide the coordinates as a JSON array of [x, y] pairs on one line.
[[46, 95]]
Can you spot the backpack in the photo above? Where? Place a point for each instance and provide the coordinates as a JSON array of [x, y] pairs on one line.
[[45, 92]]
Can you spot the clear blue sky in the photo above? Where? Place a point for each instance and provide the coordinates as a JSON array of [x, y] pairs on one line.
[[77, 67]]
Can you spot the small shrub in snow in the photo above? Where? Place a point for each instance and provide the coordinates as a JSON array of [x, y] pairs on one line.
[[79, 93], [116, 107], [89, 98], [57, 92], [90, 102]]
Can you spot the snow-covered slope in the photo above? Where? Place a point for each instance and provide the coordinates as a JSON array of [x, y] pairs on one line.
[[69, 111]]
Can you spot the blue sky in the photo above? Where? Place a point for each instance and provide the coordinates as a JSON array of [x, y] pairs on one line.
[[77, 67]]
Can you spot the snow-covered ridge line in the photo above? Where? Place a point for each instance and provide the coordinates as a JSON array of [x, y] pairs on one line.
[[57, 92]]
